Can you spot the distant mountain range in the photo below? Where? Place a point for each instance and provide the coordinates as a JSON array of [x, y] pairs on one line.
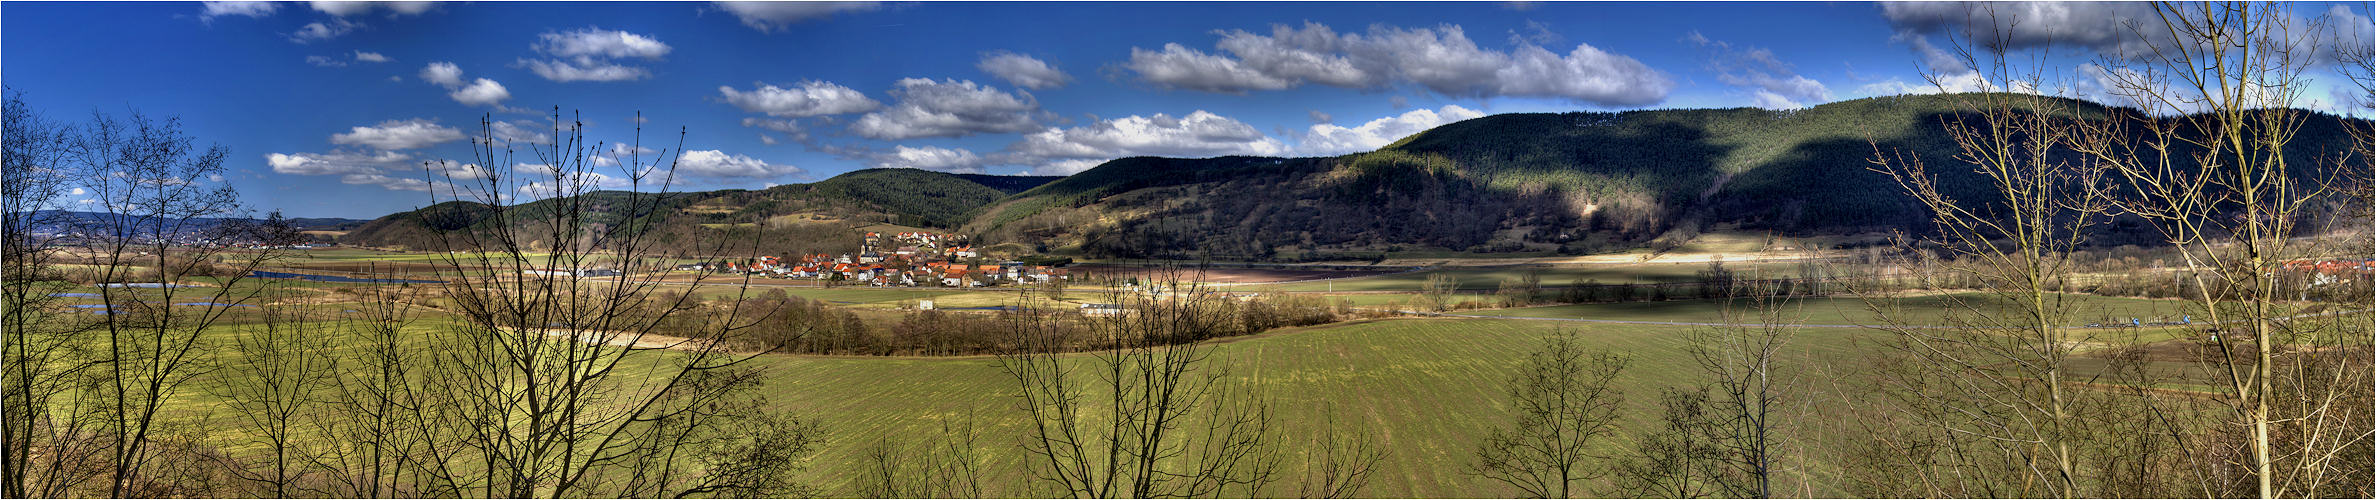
[[1570, 182], [825, 211], [71, 217]]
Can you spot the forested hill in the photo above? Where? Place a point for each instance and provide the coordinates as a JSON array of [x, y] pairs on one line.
[[1529, 182], [1523, 182], [833, 206]]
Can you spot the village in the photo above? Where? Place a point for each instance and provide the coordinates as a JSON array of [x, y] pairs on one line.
[[903, 259]]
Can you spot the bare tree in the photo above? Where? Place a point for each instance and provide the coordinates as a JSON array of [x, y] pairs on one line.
[[559, 379], [45, 348], [2208, 159], [2001, 372], [948, 466], [1566, 404], [154, 253], [283, 369], [372, 419], [2357, 58], [1744, 363], [1680, 458], [1145, 414], [1344, 464], [1439, 291]]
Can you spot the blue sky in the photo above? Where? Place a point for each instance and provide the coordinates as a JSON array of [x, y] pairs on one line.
[[329, 109]]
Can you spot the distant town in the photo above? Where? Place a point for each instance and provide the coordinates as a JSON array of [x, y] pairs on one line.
[[904, 259]]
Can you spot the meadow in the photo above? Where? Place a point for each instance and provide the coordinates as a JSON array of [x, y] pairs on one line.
[[1490, 278], [1925, 309], [1426, 390]]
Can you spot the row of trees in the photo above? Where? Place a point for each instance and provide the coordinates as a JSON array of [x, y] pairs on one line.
[[794, 324]]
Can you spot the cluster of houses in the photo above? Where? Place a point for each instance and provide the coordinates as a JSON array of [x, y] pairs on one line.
[[261, 246], [918, 259], [2327, 272], [912, 246], [2354, 266]]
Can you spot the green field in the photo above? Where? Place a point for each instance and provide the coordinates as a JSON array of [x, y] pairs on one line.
[[1489, 278], [1429, 389], [1426, 389], [1920, 309]]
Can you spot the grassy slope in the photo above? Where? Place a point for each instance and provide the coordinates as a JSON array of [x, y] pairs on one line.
[[937, 199], [1111, 178]]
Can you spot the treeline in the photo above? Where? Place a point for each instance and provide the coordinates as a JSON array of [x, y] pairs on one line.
[[807, 326]]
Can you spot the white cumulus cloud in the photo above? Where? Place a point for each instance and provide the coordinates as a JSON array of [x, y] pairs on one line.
[[1772, 84], [1944, 72], [598, 42], [957, 160], [386, 169], [1441, 59], [520, 131], [1178, 66], [480, 92], [319, 31], [445, 169], [809, 98], [949, 108], [336, 163], [1022, 70], [1329, 139], [371, 57], [483, 92], [546, 181], [715, 163], [386, 181], [583, 70], [398, 134], [771, 16], [2105, 27], [442, 73], [592, 54], [343, 9], [249, 9], [1068, 150]]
